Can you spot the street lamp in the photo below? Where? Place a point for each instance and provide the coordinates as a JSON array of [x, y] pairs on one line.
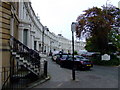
[[73, 28]]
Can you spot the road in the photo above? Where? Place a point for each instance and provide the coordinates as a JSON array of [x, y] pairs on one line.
[[97, 77]]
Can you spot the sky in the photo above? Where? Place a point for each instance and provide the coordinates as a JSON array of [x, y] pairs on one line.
[[58, 15]]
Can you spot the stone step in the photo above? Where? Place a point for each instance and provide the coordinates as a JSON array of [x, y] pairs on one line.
[[26, 64]]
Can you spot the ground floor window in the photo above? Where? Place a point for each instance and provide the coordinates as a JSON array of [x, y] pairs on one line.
[[35, 45]]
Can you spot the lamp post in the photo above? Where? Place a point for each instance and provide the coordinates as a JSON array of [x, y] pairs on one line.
[[73, 28]]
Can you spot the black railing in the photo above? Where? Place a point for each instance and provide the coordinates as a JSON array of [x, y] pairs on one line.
[[17, 76], [30, 55], [19, 80], [5, 75]]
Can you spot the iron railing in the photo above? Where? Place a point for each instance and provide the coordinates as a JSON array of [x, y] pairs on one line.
[[19, 80], [31, 55], [4, 75]]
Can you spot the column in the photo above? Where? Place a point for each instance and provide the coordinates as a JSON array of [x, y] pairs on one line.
[[28, 39], [20, 37], [32, 41], [21, 12], [37, 45]]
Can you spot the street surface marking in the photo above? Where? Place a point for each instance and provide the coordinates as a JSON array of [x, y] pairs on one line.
[[59, 84]]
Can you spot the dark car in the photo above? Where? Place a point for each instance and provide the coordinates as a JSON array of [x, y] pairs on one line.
[[90, 54], [80, 62], [62, 56]]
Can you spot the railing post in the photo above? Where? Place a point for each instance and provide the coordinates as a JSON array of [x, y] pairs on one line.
[[45, 68]]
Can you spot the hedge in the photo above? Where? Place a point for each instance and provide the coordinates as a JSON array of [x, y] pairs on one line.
[[113, 62]]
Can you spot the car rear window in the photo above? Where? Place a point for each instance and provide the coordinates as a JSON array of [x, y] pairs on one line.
[[64, 56], [82, 58]]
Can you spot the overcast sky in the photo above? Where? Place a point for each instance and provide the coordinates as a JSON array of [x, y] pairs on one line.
[[58, 15]]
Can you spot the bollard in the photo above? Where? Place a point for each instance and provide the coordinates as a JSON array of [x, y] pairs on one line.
[[45, 68]]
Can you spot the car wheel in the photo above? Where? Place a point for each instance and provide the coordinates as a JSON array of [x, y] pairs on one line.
[[61, 65], [57, 61]]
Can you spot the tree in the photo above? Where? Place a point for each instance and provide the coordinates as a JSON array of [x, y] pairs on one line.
[[75, 52], [96, 24], [114, 37]]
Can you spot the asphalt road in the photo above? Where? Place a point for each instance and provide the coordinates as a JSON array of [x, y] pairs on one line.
[[97, 77]]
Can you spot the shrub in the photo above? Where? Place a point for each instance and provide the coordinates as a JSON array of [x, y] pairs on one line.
[[75, 52]]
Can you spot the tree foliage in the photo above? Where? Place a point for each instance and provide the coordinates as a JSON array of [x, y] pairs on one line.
[[96, 24], [114, 37]]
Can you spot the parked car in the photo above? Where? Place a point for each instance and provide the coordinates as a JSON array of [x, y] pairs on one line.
[[80, 62], [62, 56], [90, 54], [55, 56], [55, 52]]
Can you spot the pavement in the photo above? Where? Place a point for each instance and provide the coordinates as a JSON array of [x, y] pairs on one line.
[[38, 82]]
